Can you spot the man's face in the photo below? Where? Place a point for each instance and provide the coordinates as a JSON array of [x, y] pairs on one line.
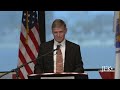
[[59, 34]]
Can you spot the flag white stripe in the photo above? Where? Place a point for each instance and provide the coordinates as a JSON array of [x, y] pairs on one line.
[[36, 34], [24, 52], [23, 70], [31, 45], [27, 58]]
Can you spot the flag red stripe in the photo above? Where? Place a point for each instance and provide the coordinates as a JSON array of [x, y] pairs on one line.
[[28, 50], [37, 27], [21, 75], [28, 69], [31, 35]]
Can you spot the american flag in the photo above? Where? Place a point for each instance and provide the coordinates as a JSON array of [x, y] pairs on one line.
[[29, 43]]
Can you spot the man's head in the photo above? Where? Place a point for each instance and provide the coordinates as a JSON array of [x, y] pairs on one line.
[[59, 30]]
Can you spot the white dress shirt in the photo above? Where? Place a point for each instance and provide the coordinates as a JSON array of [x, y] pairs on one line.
[[62, 47]]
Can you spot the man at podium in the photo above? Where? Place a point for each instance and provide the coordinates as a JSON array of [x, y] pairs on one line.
[[64, 56]]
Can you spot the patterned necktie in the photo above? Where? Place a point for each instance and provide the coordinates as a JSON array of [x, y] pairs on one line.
[[59, 61]]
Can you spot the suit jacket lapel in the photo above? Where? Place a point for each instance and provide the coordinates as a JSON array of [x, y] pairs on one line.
[[66, 55], [51, 55], [51, 47]]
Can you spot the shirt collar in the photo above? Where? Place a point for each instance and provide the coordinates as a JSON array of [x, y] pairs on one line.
[[62, 43]]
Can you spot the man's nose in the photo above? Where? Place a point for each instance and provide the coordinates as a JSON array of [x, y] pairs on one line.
[[58, 34]]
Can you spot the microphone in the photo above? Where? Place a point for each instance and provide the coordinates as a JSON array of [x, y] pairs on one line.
[[16, 69], [58, 47]]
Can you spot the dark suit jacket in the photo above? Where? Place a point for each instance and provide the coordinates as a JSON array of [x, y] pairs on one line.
[[73, 59]]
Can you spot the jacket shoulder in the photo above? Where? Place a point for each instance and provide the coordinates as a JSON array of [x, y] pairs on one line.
[[72, 44], [46, 43]]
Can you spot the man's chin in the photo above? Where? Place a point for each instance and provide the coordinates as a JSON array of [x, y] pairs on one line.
[[59, 41]]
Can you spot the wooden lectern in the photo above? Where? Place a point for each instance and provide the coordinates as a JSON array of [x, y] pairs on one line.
[[64, 75], [107, 74]]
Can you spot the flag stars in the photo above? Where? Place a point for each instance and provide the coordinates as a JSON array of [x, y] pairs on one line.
[[32, 22], [24, 20], [31, 18], [24, 14], [28, 15]]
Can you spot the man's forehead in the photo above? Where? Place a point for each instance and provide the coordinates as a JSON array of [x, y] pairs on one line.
[[58, 28]]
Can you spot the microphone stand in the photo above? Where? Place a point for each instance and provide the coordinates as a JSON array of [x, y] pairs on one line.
[[16, 69]]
